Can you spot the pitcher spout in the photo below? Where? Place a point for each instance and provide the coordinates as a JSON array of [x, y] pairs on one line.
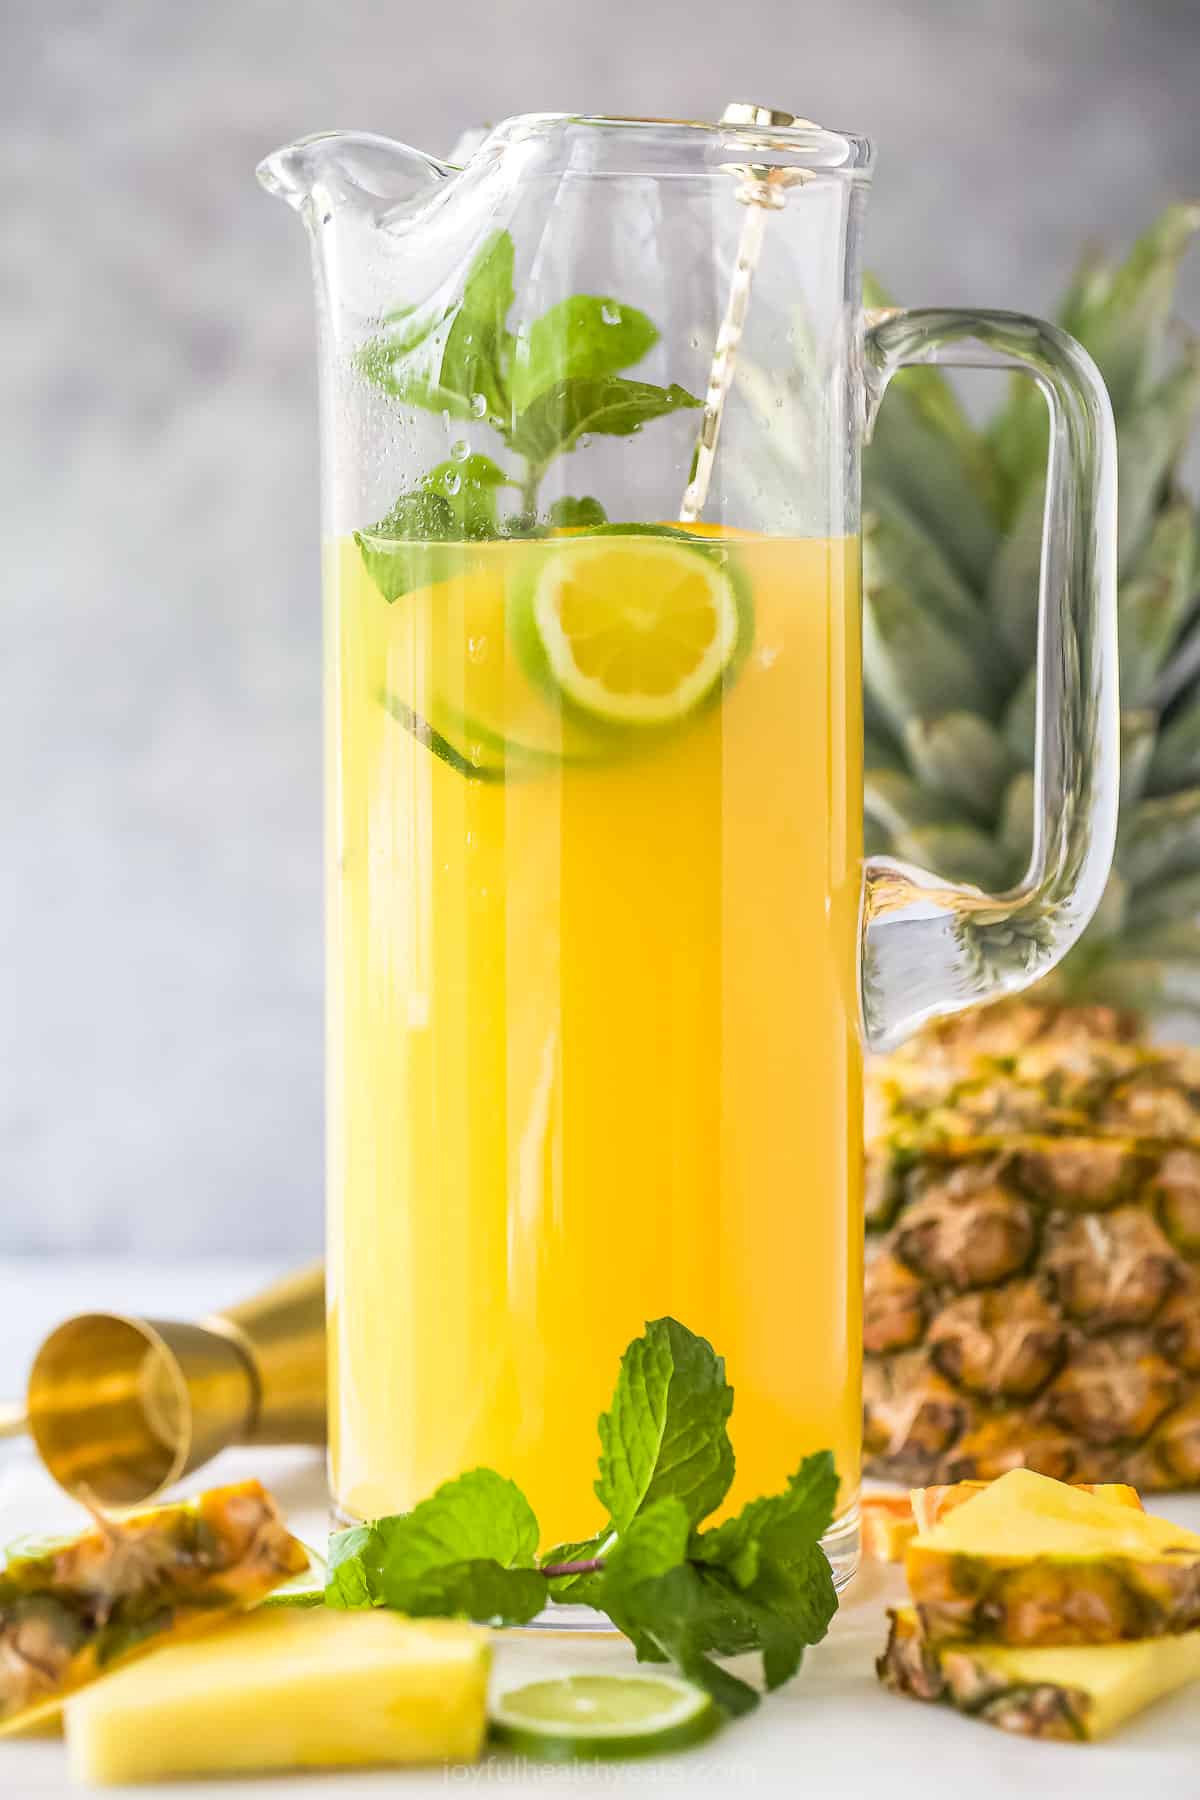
[[351, 167]]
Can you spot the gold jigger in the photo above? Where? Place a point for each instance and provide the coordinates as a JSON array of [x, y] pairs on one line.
[[123, 1407]]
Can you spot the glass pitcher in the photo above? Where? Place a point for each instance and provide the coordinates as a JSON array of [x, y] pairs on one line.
[[601, 947]]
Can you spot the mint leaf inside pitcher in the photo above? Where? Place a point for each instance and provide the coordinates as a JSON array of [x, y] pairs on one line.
[[611, 405], [478, 354], [541, 392], [588, 335]]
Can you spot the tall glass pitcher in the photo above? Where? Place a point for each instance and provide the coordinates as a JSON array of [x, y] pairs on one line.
[[599, 943]]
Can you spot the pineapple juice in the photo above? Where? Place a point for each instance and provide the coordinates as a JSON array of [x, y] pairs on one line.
[[593, 1020]]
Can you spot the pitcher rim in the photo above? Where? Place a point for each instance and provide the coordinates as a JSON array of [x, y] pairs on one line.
[[805, 142]]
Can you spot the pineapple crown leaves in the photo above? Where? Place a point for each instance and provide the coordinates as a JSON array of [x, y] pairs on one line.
[[951, 547]]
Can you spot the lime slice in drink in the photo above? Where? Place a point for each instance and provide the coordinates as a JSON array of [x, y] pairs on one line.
[[305, 1589], [629, 629], [589, 1716]]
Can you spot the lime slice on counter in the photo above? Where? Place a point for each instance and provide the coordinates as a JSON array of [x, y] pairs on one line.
[[631, 629], [587, 1716], [305, 1589]]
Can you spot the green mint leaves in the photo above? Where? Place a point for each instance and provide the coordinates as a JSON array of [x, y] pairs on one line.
[[758, 1582], [583, 338], [542, 393], [590, 405], [478, 355], [467, 1551], [664, 1434]]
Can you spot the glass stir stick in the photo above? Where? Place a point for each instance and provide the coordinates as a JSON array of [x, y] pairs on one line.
[[762, 190]]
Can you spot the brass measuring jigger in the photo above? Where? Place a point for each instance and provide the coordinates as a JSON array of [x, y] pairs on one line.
[[122, 1407]]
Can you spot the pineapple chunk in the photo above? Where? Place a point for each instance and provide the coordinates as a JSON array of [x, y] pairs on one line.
[[73, 1608], [1033, 1561], [931, 1504], [890, 1522], [888, 1527], [1073, 1692], [304, 1689]]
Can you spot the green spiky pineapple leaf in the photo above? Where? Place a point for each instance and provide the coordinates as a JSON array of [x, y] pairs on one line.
[[952, 541]]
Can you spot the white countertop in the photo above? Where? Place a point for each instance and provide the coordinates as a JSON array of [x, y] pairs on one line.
[[833, 1734]]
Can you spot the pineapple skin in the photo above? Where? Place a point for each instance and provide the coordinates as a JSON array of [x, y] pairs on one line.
[[72, 1611], [1072, 1695], [951, 538], [1040, 1601], [1033, 1291], [305, 1688]]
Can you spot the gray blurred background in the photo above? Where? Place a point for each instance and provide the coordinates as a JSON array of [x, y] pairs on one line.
[[160, 1030]]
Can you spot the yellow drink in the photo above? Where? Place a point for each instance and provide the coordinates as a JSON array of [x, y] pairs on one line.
[[594, 1052]]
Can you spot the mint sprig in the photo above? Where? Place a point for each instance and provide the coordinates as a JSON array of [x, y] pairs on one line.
[[758, 1582], [469, 1550], [542, 394]]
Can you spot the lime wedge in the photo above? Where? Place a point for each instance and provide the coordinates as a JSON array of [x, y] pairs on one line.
[[305, 1589], [634, 628], [587, 1716]]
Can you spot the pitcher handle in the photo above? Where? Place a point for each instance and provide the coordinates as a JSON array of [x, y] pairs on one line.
[[932, 947]]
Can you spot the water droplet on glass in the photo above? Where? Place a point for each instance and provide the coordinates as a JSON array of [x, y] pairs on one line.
[[460, 450], [767, 656], [610, 314], [693, 342], [479, 406], [475, 754], [584, 439], [477, 648], [452, 482]]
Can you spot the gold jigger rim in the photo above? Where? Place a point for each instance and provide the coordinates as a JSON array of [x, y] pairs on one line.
[[43, 1404]]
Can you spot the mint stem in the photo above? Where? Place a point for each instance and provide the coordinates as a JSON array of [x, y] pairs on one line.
[[592, 1566], [529, 487]]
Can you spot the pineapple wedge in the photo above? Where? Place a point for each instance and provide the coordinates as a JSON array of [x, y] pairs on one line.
[[1031, 1561], [72, 1608], [887, 1525], [931, 1504], [890, 1522], [304, 1689], [1073, 1692]]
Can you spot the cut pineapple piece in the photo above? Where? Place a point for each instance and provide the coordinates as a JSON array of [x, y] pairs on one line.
[[1032, 1561], [888, 1526], [72, 1608], [304, 1689], [1073, 1692], [931, 1504], [890, 1522]]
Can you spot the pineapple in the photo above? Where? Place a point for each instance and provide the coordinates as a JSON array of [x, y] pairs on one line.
[[951, 539], [890, 1522], [1073, 1693], [1033, 1282], [288, 1689], [73, 1608], [1034, 1563]]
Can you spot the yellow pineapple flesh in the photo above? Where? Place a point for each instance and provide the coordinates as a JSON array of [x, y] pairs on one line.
[[1032, 1562], [288, 1689], [890, 1522], [1071, 1693]]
